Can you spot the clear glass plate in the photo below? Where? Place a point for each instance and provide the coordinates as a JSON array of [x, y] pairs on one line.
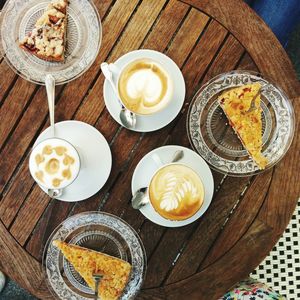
[[84, 35], [100, 232], [213, 138]]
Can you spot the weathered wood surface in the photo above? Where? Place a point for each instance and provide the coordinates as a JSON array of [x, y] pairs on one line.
[[247, 215]]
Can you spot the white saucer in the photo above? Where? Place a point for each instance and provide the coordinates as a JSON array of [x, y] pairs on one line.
[[147, 167], [95, 158], [162, 118]]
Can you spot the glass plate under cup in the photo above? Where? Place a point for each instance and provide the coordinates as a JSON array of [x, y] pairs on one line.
[[213, 138], [84, 35], [100, 232]]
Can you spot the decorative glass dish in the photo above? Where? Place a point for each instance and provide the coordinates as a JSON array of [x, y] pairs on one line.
[[214, 139], [84, 34], [100, 232]]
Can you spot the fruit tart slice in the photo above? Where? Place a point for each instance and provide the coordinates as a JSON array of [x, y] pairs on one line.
[[246, 124], [48, 38], [87, 262]]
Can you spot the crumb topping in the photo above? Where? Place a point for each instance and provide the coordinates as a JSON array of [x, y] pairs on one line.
[[47, 38]]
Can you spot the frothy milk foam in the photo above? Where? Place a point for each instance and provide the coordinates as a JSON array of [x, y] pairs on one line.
[[145, 87], [145, 84], [54, 163], [176, 192]]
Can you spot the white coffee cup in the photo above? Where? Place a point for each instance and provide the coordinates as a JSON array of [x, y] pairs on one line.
[[54, 164], [150, 88]]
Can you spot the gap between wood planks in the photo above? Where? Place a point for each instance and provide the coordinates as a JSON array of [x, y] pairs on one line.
[[143, 134], [43, 124], [34, 92], [194, 229], [206, 262], [112, 50], [88, 87], [9, 87], [118, 131], [111, 183], [123, 212]]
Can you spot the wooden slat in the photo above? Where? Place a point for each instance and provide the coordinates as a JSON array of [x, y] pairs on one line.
[[38, 111], [247, 211], [20, 266], [21, 138], [212, 282], [226, 60], [8, 78], [207, 230], [87, 206], [140, 25], [256, 37], [108, 127], [79, 87], [180, 44], [166, 24], [202, 55], [285, 184], [33, 199], [51, 219], [247, 63], [11, 109]]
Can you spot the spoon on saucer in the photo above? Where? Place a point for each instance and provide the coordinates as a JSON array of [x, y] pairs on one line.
[[50, 89], [127, 117], [140, 198]]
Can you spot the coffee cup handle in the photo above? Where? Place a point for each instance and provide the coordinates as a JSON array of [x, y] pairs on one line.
[[54, 193], [114, 69], [157, 160]]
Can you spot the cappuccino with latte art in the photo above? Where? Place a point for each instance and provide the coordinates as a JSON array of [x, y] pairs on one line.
[[145, 87], [176, 192]]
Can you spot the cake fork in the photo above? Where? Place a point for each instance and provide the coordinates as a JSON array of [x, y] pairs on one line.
[[97, 278]]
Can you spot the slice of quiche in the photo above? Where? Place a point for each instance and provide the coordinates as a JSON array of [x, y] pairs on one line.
[[247, 125], [87, 262], [48, 38]]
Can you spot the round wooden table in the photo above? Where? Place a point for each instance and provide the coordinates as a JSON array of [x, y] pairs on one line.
[[247, 215]]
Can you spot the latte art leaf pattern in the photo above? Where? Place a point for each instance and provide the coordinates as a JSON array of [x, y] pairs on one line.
[[175, 191]]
